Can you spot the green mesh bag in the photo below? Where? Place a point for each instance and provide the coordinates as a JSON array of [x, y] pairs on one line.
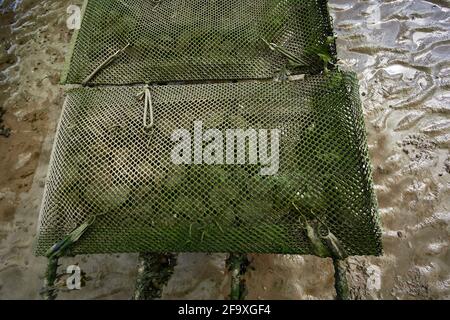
[[317, 183], [171, 40]]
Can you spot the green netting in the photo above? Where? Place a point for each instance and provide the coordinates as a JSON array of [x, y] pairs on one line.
[[174, 40], [104, 164]]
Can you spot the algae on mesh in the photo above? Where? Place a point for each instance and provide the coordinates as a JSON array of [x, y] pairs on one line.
[[326, 206], [176, 47]]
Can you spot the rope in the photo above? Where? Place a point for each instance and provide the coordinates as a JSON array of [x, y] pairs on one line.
[[148, 107]]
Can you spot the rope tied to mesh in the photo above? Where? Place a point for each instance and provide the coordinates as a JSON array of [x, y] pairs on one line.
[[148, 108]]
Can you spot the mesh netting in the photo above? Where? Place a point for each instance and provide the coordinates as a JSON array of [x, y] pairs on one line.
[[198, 40], [104, 164]]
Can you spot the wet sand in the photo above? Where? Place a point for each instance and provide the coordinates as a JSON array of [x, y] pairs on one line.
[[404, 71]]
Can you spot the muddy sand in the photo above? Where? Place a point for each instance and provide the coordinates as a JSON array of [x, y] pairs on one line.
[[401, 54]]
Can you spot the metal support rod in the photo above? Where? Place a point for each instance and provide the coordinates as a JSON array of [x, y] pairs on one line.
[[154, 271], [340, 280], [237, 264], [49, 291]]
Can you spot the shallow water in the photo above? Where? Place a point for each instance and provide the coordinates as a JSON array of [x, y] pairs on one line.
[[401, 56]]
